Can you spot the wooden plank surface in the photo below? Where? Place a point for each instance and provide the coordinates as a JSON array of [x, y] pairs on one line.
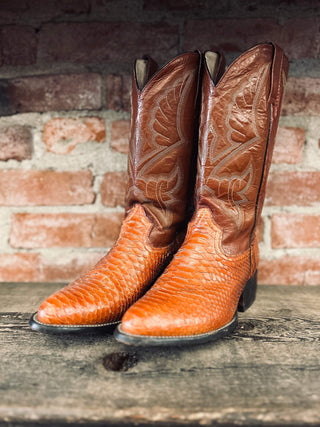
[[266, 374]]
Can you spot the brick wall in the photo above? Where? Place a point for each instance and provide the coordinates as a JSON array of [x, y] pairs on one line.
[[64, 105]]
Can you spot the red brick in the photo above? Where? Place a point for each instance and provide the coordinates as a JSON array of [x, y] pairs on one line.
[[72, 7], [120, 134], [61, 135], [295, 36], [56, 92], [31, 188], [15, 143], [38, 11], [118, 92], [293, 188], [100, 42], [32, 267], [19, 267], [113, 188], [289, 145], [19, 45], [289, 270], [13, 6], [302, 97], [64, 230], [295, 231], [67, 268], [6, 108], [180, 5], [233, 7], [260, 229]]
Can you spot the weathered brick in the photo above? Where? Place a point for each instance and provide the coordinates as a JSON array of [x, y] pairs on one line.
[[120, 134], [31, 188], [289, 270], [33, 267], [234, 7], [38, 11], [180, 5], [64, 230], [289, 145], [15, 143], [260, 229], [248, 32], [19, 45], [293, 188], [56, 92], [13, 6], [62, 134], [19, 267], [66, 268], [73, 7], [6, 108], [295, 231], [113, 188], [99, 42], [118, 92], [302, 97]]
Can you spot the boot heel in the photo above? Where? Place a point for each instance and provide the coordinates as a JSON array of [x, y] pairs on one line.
[[248, 294]]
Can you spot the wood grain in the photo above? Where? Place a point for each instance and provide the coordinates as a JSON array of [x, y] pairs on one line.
[[266, 374]]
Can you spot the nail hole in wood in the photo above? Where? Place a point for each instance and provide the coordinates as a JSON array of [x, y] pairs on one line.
[[119, 361]]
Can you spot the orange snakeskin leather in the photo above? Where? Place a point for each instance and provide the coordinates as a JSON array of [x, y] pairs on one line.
[[104, 293], [162, 138], [200, 290]]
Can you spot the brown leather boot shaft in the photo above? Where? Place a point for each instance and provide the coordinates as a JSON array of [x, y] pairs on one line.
[[162, 138], [239, 119]]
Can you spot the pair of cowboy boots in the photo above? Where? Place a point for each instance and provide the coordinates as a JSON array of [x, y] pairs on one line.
[[168, 293]]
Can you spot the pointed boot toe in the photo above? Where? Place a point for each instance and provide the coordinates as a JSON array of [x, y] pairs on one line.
[[49, 313], [139, 327], [142, 320], [70, 311], [63, 308], [133, 324], [142, 324], [167, 316]]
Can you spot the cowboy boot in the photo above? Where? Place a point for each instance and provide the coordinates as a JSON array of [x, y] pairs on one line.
[[214, 273], [161, 143]]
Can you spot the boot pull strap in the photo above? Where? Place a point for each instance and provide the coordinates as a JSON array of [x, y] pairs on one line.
[[279, 65], [144, 69]]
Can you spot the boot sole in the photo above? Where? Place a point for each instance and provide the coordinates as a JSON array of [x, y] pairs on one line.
[[38, 326], [144, 340], [246, 300]]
